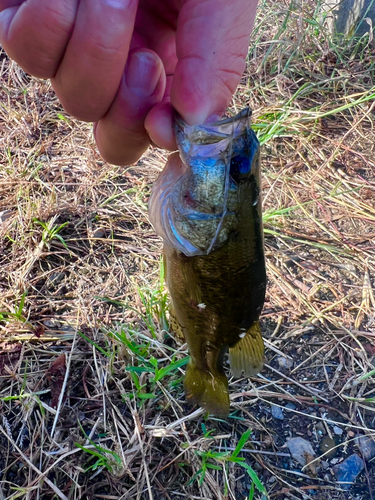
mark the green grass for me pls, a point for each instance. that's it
(312, 103)
(219, 461)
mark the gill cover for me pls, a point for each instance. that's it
(194, 201)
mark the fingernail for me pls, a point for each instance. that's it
(117, 4)
(143, 71)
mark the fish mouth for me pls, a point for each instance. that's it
(194, 202)
(211, 133)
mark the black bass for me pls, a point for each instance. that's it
(206, 206)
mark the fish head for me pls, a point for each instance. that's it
(194, 202)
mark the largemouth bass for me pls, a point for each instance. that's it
(206, 206)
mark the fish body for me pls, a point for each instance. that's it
(206, 205)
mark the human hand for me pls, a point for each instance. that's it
(126, 64)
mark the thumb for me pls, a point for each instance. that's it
(212, 44)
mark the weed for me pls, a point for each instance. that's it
(219, 460)
(104, 458)
(51, 231)
(18, 314)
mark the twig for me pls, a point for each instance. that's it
(62, 393)
(58, 492)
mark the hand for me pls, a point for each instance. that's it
(126, 64)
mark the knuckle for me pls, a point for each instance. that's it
(60, 15)
(83, 111)
(105, 51)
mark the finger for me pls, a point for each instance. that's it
(159, 125)
(159, 33)
(90, 72)
(35, 32)
(159, 122)
(212, 44)
(121, 136)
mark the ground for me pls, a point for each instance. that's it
(91, 394)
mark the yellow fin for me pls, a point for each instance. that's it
(247, 355)
(207, 390)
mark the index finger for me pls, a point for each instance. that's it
(35, 32)
(91, 70)
(212, 44)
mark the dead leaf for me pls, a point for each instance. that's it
(311, 463)
(39, 331)
(9, 357)
(55, 376)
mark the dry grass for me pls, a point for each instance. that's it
(91, 396)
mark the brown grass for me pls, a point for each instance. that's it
(82, 309)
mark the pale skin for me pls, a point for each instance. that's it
(125, 64)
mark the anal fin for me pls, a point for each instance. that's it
(247, 356)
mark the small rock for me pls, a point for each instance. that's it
(337, 430)
(284, 362)
(277, 412)
(301, 450)
(366, 446)
(324, 464)
(257, 467)
(290, 406)
(67, 328)
(347, 472)
(52, 323)
(55, 279)
(320, 427)
(99, 233)
(328, 445)
(4, 215)
(351, 434)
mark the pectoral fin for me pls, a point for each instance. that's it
(247, 355)
(207, 390)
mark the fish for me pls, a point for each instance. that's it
(206, 205)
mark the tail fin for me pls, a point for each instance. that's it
(207, 390)
(247, 355)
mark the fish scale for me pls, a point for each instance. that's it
(213, 252)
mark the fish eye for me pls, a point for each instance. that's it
(239, 164)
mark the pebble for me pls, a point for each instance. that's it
(52, 323)
(67, 328)
(300, 449)
(277, 412)
(290, 406)
(320, 427)
(4, 215)
(347, 472)
(337, 430)
(99, 233)
(285, 362)
(328, 445)
(366, 446)
(55, 279)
